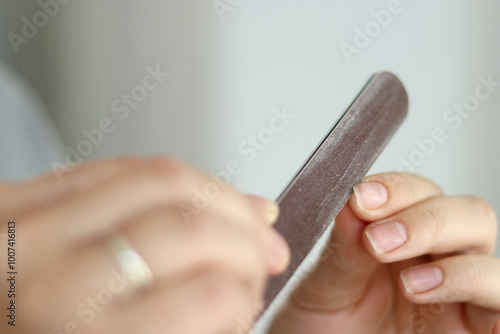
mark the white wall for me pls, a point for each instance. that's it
(227, 76)
(31, 63)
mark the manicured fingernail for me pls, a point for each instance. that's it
(386, 237)
(268, 208)
(421, 279)
(280, 252)
(370, 195)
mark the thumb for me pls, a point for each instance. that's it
(340, 279)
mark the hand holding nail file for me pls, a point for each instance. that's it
(322, 186)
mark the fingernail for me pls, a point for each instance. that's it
(386, 237)
(268, 208)
(280, 252)
(421, 279)
(370, 195)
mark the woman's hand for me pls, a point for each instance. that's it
(209, 254)
(405, 259)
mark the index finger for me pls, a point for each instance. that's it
(340, 281)
(381, 195)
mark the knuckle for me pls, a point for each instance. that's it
(488, 214)
(406, 185)
(485, 209)
(430, 217)
(166, 168)
(395, 179)
(165, 165)
(438, 189)
(401, 182)
(471, 278)
(168, 176)
(396, 182)
(401, 176)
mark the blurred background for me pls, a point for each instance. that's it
(232, 65)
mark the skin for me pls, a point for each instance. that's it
(210, 271)
(213, 266)
(359, 290)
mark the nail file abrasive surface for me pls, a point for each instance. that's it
(324, 183)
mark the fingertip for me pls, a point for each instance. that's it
(386, 236)
(279, 257)
(349, 238)
(381, 195)
(349, 227)
(496, 327)
(421, 279)
(267, 208)
(370, 195)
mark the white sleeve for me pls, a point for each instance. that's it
(29, 142)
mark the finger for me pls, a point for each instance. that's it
(201, 304)
(211, 238)
(50, 179)
(48, 188)
(440, 225)
(280, 252)
(160, 236)
(171, 249)
(382, 195)
(341, 277)
(88, 276)
(268, 209)
(496, 328)
(214, 242)
(460, 279)
(482, 320)
(161, 182)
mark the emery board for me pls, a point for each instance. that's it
(323, 185)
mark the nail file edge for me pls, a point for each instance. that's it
(381, 97)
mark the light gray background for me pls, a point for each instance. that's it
(228, 75)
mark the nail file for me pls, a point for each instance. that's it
(322, 186)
